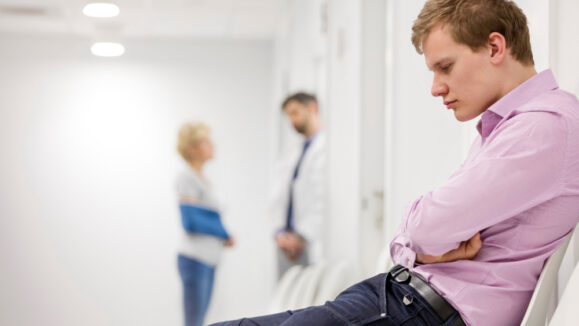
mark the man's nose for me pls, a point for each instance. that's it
(439, 88)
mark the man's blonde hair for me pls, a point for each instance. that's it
(471, 21)
(189, 135)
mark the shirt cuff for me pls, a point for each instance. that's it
(401, 252)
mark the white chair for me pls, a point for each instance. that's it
(312, 284)
(305, 287)
(536, 314)
(566, 313)
(337, 277)
(285, 289)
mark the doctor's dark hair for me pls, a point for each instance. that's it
(470, 22)
(303, 98)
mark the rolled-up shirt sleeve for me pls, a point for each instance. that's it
(517, 168)
(401, 249)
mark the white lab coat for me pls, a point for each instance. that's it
(309, 197)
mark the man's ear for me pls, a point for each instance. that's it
(497, 47)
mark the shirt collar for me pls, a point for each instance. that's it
(487, 123)
(542, 82)
(312, 137)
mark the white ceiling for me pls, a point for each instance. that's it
(224, 19)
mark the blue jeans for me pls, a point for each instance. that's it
(197, 287)
(376, 301)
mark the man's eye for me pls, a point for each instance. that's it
(446, 67)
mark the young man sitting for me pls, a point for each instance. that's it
(471, 251)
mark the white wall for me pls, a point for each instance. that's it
(300, 48)
(565, 43)
(372, 129)
(564, 51)
(424, 142)
(343, 121)
(88, 219)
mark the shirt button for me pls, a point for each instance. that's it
(382, 315)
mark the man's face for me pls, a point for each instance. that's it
(299, 115)
(463, 78)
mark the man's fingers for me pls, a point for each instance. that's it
(466, 250)
(475, 242)
(472, 246)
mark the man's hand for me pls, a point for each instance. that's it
(466, 250)
(291, 243)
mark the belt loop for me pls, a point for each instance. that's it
(403, 278)
(397, 271)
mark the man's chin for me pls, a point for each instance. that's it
(300, 130)
(461, 117)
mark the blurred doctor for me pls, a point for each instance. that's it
(300, 226)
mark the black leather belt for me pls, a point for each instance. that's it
(442, 308)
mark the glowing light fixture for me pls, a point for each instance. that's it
(107, 49)
(101, 10)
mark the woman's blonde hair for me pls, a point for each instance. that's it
(189, 135)
(472, 21)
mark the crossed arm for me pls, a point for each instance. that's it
(466, 250)
(511, 174)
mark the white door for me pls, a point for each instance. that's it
(372, 126)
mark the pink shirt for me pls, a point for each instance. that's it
(519, 187)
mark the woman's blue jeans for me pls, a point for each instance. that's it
(197, 279)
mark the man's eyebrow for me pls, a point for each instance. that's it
(442, 62)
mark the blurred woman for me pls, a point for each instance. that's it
(204, 234)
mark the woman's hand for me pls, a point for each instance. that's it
(229, 242)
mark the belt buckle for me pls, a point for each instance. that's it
(402, 275)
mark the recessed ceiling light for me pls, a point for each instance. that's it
(107, 49)
(101, 10)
